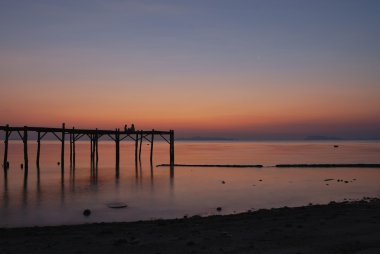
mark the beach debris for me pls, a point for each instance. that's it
(117, 205)
(58, 163)
(336, 146)
(345, 181)
(21, 166)
(219, 209)
(86, 212)
(223, 182)
(261, 180)
(328, 179)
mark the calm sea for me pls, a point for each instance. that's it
(151, 193)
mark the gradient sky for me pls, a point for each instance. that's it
(241, 68)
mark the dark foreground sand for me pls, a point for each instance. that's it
(334, 228)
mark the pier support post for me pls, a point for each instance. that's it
(74, 138)
(136, 147)
(141, 141)
(71, 150)
(91, 150)
(171, 153)
(63, 151)
(25, 141)
(151, 148)
(96, 148)
(117, 141)
(38, 150)
(5, 163)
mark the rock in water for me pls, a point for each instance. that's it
(219, 209)
(87, 212)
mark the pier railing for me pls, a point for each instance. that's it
(94, 135)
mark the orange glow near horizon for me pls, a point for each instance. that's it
(218, 106)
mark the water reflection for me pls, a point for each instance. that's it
(150, 192)
(5, 192)
(40, 190)
(24, 194)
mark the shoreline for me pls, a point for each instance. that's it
(345, 227)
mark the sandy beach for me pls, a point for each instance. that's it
(348, 227)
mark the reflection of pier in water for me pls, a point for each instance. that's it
(94, 135)
(35, 192)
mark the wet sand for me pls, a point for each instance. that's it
(349, 227)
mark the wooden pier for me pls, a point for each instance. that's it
(94, 135)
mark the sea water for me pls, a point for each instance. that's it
(151, 192)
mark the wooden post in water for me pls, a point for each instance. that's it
(96, 147)
(141, 141)
(25, 141)
(151, 148)
(136, 146)
(74, 148)
(117, 141)
(5, 163)
(63, 151)
(171, 153)
(71, 149)
(38, 150)
(91, 150)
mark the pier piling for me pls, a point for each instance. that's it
(74, 139)
(38, 149)
(5, 162)
(141, 141)
(96, 148)
(117, 141)
(25, 141)
(63, 150)
(151, 148)
(136, 147)
(71, 150)
(171, 153)
(76, 134)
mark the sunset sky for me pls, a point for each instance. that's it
(236, 68)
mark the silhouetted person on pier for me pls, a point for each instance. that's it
(132, 127)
